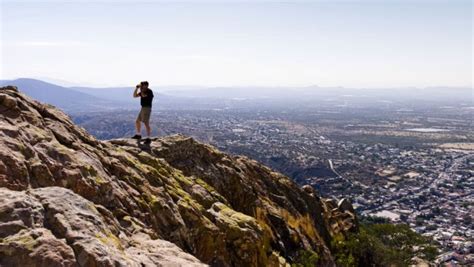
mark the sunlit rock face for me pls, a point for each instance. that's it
(67, 199)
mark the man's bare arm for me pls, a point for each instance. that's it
(135, 93)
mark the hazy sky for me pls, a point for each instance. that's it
(327, 43)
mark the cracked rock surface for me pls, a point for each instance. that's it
(53, 226)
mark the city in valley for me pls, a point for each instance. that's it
(407, 157)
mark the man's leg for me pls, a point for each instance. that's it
(138, 127)
(148, 128)
(146, 121)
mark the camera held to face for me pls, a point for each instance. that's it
(142, 85)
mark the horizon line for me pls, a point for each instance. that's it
(62, 83)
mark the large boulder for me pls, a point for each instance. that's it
(53, 226)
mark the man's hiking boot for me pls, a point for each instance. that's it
(137, 136)
(147, 141)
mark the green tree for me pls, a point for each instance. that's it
(381, 244)
(306, 258)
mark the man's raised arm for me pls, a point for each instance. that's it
(135, 93)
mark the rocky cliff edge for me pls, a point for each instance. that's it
(67, 199)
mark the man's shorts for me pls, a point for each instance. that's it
(144, 115)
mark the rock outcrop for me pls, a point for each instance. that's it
(53, 226)
(67, 199)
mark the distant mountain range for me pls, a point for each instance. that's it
(59, 96)
(80, 99)
(86, 99)
(317, 92)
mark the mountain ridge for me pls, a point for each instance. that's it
(79, 99)
(119, 203)
(63, 97)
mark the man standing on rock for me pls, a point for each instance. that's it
(146, 98)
